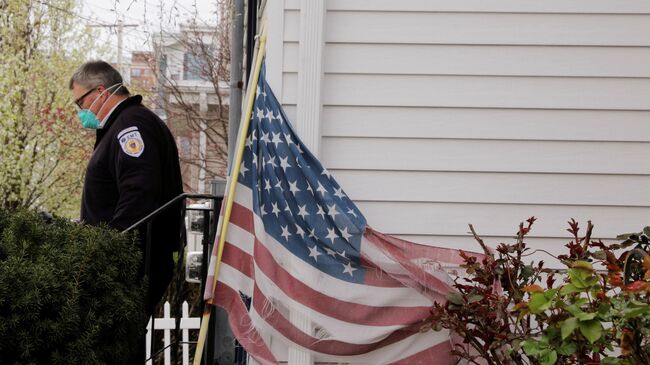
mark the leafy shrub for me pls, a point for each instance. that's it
(508, 310)
(69, 293)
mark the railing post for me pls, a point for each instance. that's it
(148, 341)
(186, 335)
(167, 335)
(147, 273)
(179, 280)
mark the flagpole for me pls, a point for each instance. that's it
(234, 173)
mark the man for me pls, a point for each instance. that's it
(133, 170)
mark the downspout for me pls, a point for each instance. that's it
(236, 80)
(251, 31)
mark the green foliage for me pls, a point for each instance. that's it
(69, 293)
(592, 315)
(44, 149)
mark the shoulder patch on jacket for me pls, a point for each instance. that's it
(131, 141)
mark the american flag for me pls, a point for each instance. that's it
(318, 277)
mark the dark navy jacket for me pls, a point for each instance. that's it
(134, 169)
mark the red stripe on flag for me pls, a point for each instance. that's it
(412, 250)
(238, 259)
(374, 276)
(241, 325)
(439, 354)
(332, 307)
(404, 253)
(330, 347)
(242, 217)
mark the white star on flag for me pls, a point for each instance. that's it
(302, 211)
(260, 114)
(321, 189)
(348, 269)
(299, 231)
(243, 169)
(289, 139)
(321, 212)
(276, 139)
(293, 187)
(265, 138)
(326, 173)
(284, 164)
(313, 252)
(271, 161)
(331, 210)
(344, 233)
(339, 193)
(275, 210)
(285, 232)
(331, 234)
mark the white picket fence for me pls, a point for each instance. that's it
(168, 324)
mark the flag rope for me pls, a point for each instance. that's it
(234, 173)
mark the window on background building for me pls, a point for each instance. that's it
(194, 67)
(163, 64)
(184, 146)
(191, 67)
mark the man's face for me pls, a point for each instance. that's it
(84, 98)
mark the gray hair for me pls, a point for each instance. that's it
(98, 73)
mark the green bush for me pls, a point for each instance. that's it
(69, 293)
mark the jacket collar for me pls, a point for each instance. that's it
(130, 101)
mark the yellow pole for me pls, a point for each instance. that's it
(234, 173)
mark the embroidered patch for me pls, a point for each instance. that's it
(131, 142)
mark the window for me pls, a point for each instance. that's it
(194, 67)
(136, 72)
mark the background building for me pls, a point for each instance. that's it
(188, 89)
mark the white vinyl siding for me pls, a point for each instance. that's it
(440, 113)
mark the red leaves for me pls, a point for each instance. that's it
(573, 227)
(636, 286)
(616, 280)
(524, 230)
(550, 280)
(469, 260)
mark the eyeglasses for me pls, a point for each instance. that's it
(78, 101)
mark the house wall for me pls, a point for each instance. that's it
(437, 113)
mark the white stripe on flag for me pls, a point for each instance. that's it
(384, 355)
(236, 280)
(337, 329)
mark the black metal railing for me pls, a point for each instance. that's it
(209, 232)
